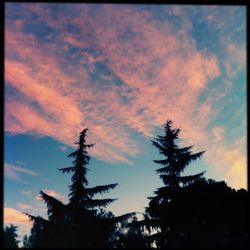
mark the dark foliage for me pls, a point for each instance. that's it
(215, 215)
(190, 211)
(131, 234)
(204, 214)
(9, 235)
(175, 160)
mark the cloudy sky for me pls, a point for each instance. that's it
(121, 71)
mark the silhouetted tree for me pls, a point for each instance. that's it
(176, 159)
(26, 241)
(41, 233)
(210, 214)
(82, 222)
(10, 236)
(131, 234)
(161, 213)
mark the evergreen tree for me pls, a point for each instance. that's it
(177, 159)
(82, 222)
(161, 213)
(10, 236)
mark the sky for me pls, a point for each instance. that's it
(121, 71)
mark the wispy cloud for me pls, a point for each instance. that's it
(15, 172)
(146, 63)
(63, 148)
(116, 70)
(12, 215)
(23, 206)
(26, 192)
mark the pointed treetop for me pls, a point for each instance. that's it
(169, 131)
(83, 134)
(168, 124)
(82, 140)
(176, 158)
(55, 207)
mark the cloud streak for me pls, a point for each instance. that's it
(14, 216)
(15, 172)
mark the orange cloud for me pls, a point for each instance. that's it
(227, 162)
(237, 174)
(17, 218)
(11, 215)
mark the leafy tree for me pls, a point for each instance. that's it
(10, 236)
(161, 213)
(82, 222)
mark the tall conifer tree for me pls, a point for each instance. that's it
(160, 211)
(79, 223)
(176, 158)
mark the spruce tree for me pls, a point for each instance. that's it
(160, 213)
(82, 222)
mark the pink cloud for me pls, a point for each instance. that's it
(218, 134)
(22, 118)
(236, 61)
(72, 41)
(49, 99)
(132, 67)
(162, 71)
(51, 95)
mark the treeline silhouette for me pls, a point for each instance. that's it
(188, 211)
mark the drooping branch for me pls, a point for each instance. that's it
(90, 203)
(67, 170)
(55, 207)
(99, 189)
